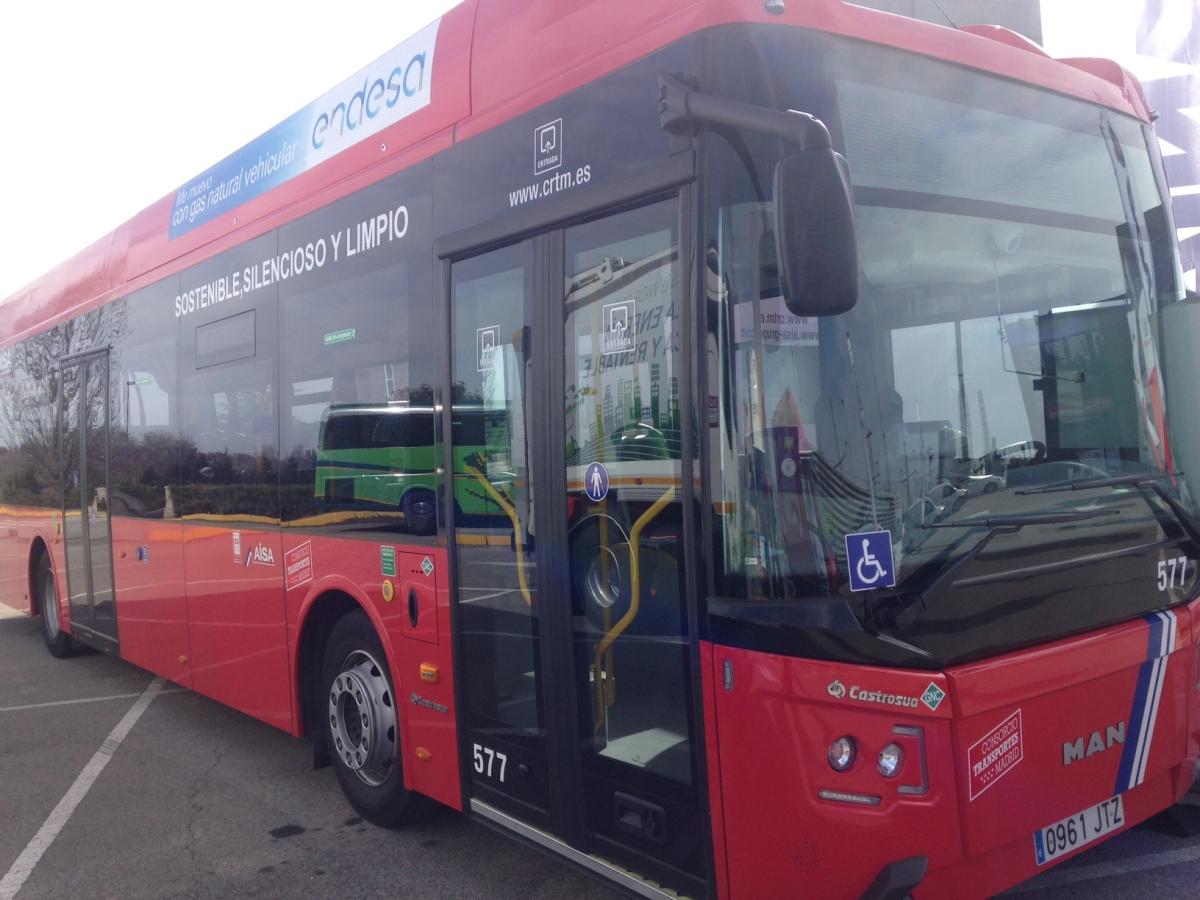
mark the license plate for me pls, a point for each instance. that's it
(1078, 830)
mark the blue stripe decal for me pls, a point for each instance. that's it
(1156, 689)
(1137, 714)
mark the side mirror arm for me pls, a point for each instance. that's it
(680, 107)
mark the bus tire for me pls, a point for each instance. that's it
(420, 511)
(58, 642)
(362, 726)
(600, 571)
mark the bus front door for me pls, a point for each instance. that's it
(576, 654)
(495, 533)
(84, 410)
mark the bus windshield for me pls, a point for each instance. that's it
(997, 402)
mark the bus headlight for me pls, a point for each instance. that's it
(842, 753)
(891, 758)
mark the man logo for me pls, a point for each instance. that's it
(1073, 751)
(837, 690)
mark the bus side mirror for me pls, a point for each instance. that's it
(814, 233)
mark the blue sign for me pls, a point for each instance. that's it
(393, 87)
(869, 556)
(595, 482)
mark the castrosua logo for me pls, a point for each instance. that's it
(838, 691)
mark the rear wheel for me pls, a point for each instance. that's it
(58, 642)
(361, 724)
(420, 511)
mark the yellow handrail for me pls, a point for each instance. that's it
(634, 601)
(518, 541)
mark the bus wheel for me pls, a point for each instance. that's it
(58, 642)
(600, 572)
(362, 728)
(420, 512)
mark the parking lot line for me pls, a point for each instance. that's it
(7, 709)
(24, 865)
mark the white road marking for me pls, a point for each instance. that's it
(49, 703)
(20, 870)
(7, 612)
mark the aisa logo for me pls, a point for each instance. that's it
(260, 555)
(394, 86)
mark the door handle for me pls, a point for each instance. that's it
(413, 610)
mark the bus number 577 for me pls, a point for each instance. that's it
(1172, 572)
(485, 768)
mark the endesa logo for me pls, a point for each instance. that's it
(397, 84)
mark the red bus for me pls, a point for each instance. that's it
(826, 385)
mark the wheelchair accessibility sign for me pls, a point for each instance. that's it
(869, 556)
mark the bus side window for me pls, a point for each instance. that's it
(358, 431)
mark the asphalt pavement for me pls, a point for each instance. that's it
(108, 789)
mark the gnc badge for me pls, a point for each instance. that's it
(869, 556)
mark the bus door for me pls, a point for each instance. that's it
(492, 437)
(84, 403)
(576, 659)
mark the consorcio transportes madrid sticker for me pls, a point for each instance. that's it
(995, 754)
(297, 565)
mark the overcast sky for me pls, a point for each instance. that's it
(107, 107)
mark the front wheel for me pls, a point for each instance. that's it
(58, 642)
(361, 724)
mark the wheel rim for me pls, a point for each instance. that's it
(603, 578)
(362, 718)
(50, 605)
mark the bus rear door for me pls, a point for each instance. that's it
(84, 409)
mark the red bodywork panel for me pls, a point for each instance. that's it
(151, 601)
(236, 621)
(20, 528)
(994, 758)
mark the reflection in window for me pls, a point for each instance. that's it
(359, 430)
(229, 421)
(147, 453)
(622, 416)
(494, 509)
(1013, 263)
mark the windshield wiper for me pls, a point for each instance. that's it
(1019, 520)
(1114, 481)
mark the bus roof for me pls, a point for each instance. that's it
(484, 72)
